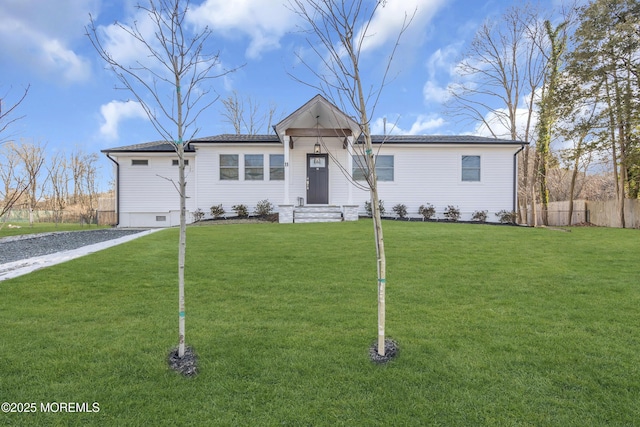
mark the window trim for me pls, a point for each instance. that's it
(358, 174)
(254, 169)
(477, 169)
(273, 169)
(139, 162)
(229, 168)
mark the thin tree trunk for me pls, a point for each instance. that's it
(382, 270)
(572, 188)
(534, 178)
(525, 182)
(182, 245)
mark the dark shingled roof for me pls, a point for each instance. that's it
(163, 146)
(439, 139)
(147, 147)
(227, 137)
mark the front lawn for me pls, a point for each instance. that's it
(496, 326)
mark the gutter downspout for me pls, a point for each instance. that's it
(117, 188)
(515, 179)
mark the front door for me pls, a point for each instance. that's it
(317, 179)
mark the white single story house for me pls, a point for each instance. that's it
(311, 164)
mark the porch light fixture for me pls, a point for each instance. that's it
(316, 146)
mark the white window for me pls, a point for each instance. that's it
(471, 168)
(175, 162)
(139, 162)
(228, 167)
(253, 167)
(276, 167)
(384, 168)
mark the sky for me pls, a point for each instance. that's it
(73, 102)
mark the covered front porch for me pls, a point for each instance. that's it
(318, 159)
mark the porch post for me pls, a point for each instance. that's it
(349, 169)
(286, 172)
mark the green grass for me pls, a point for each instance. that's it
(496, 325)
(43, 227)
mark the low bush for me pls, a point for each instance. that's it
(264, 208)
(507, 217)
(427, 211)
(452, 213)
(480, 216)
(198, 214)
(241, 210)
(367, 207)
(217, 211)
(400, 210)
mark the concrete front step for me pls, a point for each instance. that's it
(309, 220)
(305, 214)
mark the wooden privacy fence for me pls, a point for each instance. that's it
(600, 213)
(106, 212)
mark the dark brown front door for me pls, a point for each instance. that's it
(317, 179)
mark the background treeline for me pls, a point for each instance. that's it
(57, 185)
(567, 81)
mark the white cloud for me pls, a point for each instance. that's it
(423, 124)
(264, 22)
(40, 34)
(497, 124)
(388, 20)
(441, 66)
(124, 48)
(431, 92)
(116, 111)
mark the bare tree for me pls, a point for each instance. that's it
(246, 115)
(338, 32)
(6, 111)
(77, 167)
(58, 177)
(32, 156)
(15, 182)
(89, 188)
(171, 90)
(498, 84)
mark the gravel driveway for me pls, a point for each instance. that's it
(16, 248)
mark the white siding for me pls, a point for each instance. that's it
(213, 191)
(422, 174)
(434, 176)
(147, 192)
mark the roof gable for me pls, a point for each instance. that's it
(318, 112)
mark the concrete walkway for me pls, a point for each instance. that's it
(18, 268)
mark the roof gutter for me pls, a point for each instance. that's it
(515, 178)
(117, 188)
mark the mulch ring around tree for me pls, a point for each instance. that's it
(185, 365)
(391, 350)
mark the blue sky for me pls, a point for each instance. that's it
(72, 101)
